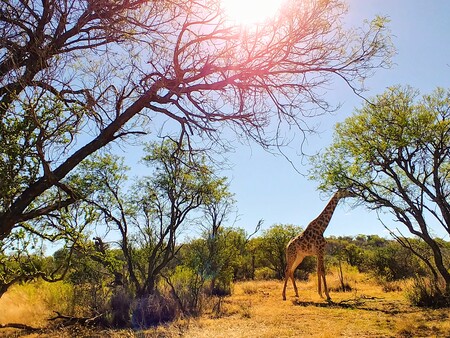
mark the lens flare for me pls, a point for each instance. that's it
(249, 12)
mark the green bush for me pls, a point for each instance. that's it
(188, 286)
(264, 273)
(57, 296)
(393, 262)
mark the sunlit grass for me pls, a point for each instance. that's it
(32, 304)
(256, 309)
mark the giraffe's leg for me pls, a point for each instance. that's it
(293, 282)
(286, 277)
(325, 286)
(289, 275)
(291, 265)
(294, 266)
(321, 268)
(319, 280)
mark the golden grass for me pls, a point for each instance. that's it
(33, 303)
(366, 311)
(256, 309)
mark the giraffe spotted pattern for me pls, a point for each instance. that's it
(312, 243)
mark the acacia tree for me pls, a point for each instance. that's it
(151, 215)
(220, 249)
(76, 75)
(394, 153)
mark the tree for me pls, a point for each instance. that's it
(24, 250)
(150, 217)
(76, 75)
(217, 259)
(273, 246)
(394, 153)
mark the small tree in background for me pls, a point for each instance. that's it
(23, 254)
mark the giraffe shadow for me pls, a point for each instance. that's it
(360, 303)
(345, 304)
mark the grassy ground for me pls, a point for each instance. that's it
(256, 310)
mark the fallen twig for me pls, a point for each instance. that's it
(71, 320)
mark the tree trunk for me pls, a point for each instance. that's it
(438, 260)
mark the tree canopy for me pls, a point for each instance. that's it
(76, 75)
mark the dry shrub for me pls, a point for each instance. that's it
(90, 299)
(343, 278)
(246, 308)
(406, 331)
(391, 286)
(188, 288)
(120, 308)
(153, 310)
(418, 327)
(249, 289)
(341, 287)
(425, 292)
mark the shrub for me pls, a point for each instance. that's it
(249, 289)
(57, 296)
(90, 299)
(264, 273)
(120, 308)
(342, 287)
(33, 303)
(188, 287)
(153, 310)
(393, 262)
(389, 285)
(221, 288)
(427, 293)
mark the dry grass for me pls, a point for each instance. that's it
(256, 310)
(32, 304)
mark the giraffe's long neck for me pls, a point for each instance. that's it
(322, 221)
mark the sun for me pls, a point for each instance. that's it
(249, 12)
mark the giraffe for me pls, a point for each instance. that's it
(311, 242)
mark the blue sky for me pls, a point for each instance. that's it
(267, 187)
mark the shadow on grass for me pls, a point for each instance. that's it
(346, 304)
(359, 303)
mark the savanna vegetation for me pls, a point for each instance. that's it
(372, 280)
(86, 247)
